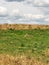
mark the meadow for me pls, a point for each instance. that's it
(30, 43)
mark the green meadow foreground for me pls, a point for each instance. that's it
(32, 46)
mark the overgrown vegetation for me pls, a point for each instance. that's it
(28, 42)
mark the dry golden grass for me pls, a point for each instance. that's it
(22, 26)
(19, 60)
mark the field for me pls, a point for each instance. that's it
(22, 26)
(31, 47)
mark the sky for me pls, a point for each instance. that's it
(24, 11)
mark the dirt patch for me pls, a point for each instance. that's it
(19, 60)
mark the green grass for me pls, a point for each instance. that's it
(30, 42)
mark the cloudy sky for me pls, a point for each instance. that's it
(24, 11)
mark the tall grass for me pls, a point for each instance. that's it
(33, 43)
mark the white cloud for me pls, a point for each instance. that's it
(38, 2)
(42, 3)
(14, 12)
(3, 10)
(47, 19)
(24, 11)
(37, 16)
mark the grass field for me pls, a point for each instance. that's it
(31, 43)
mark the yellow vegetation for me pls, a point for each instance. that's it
(19, 60)
(22, 26)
